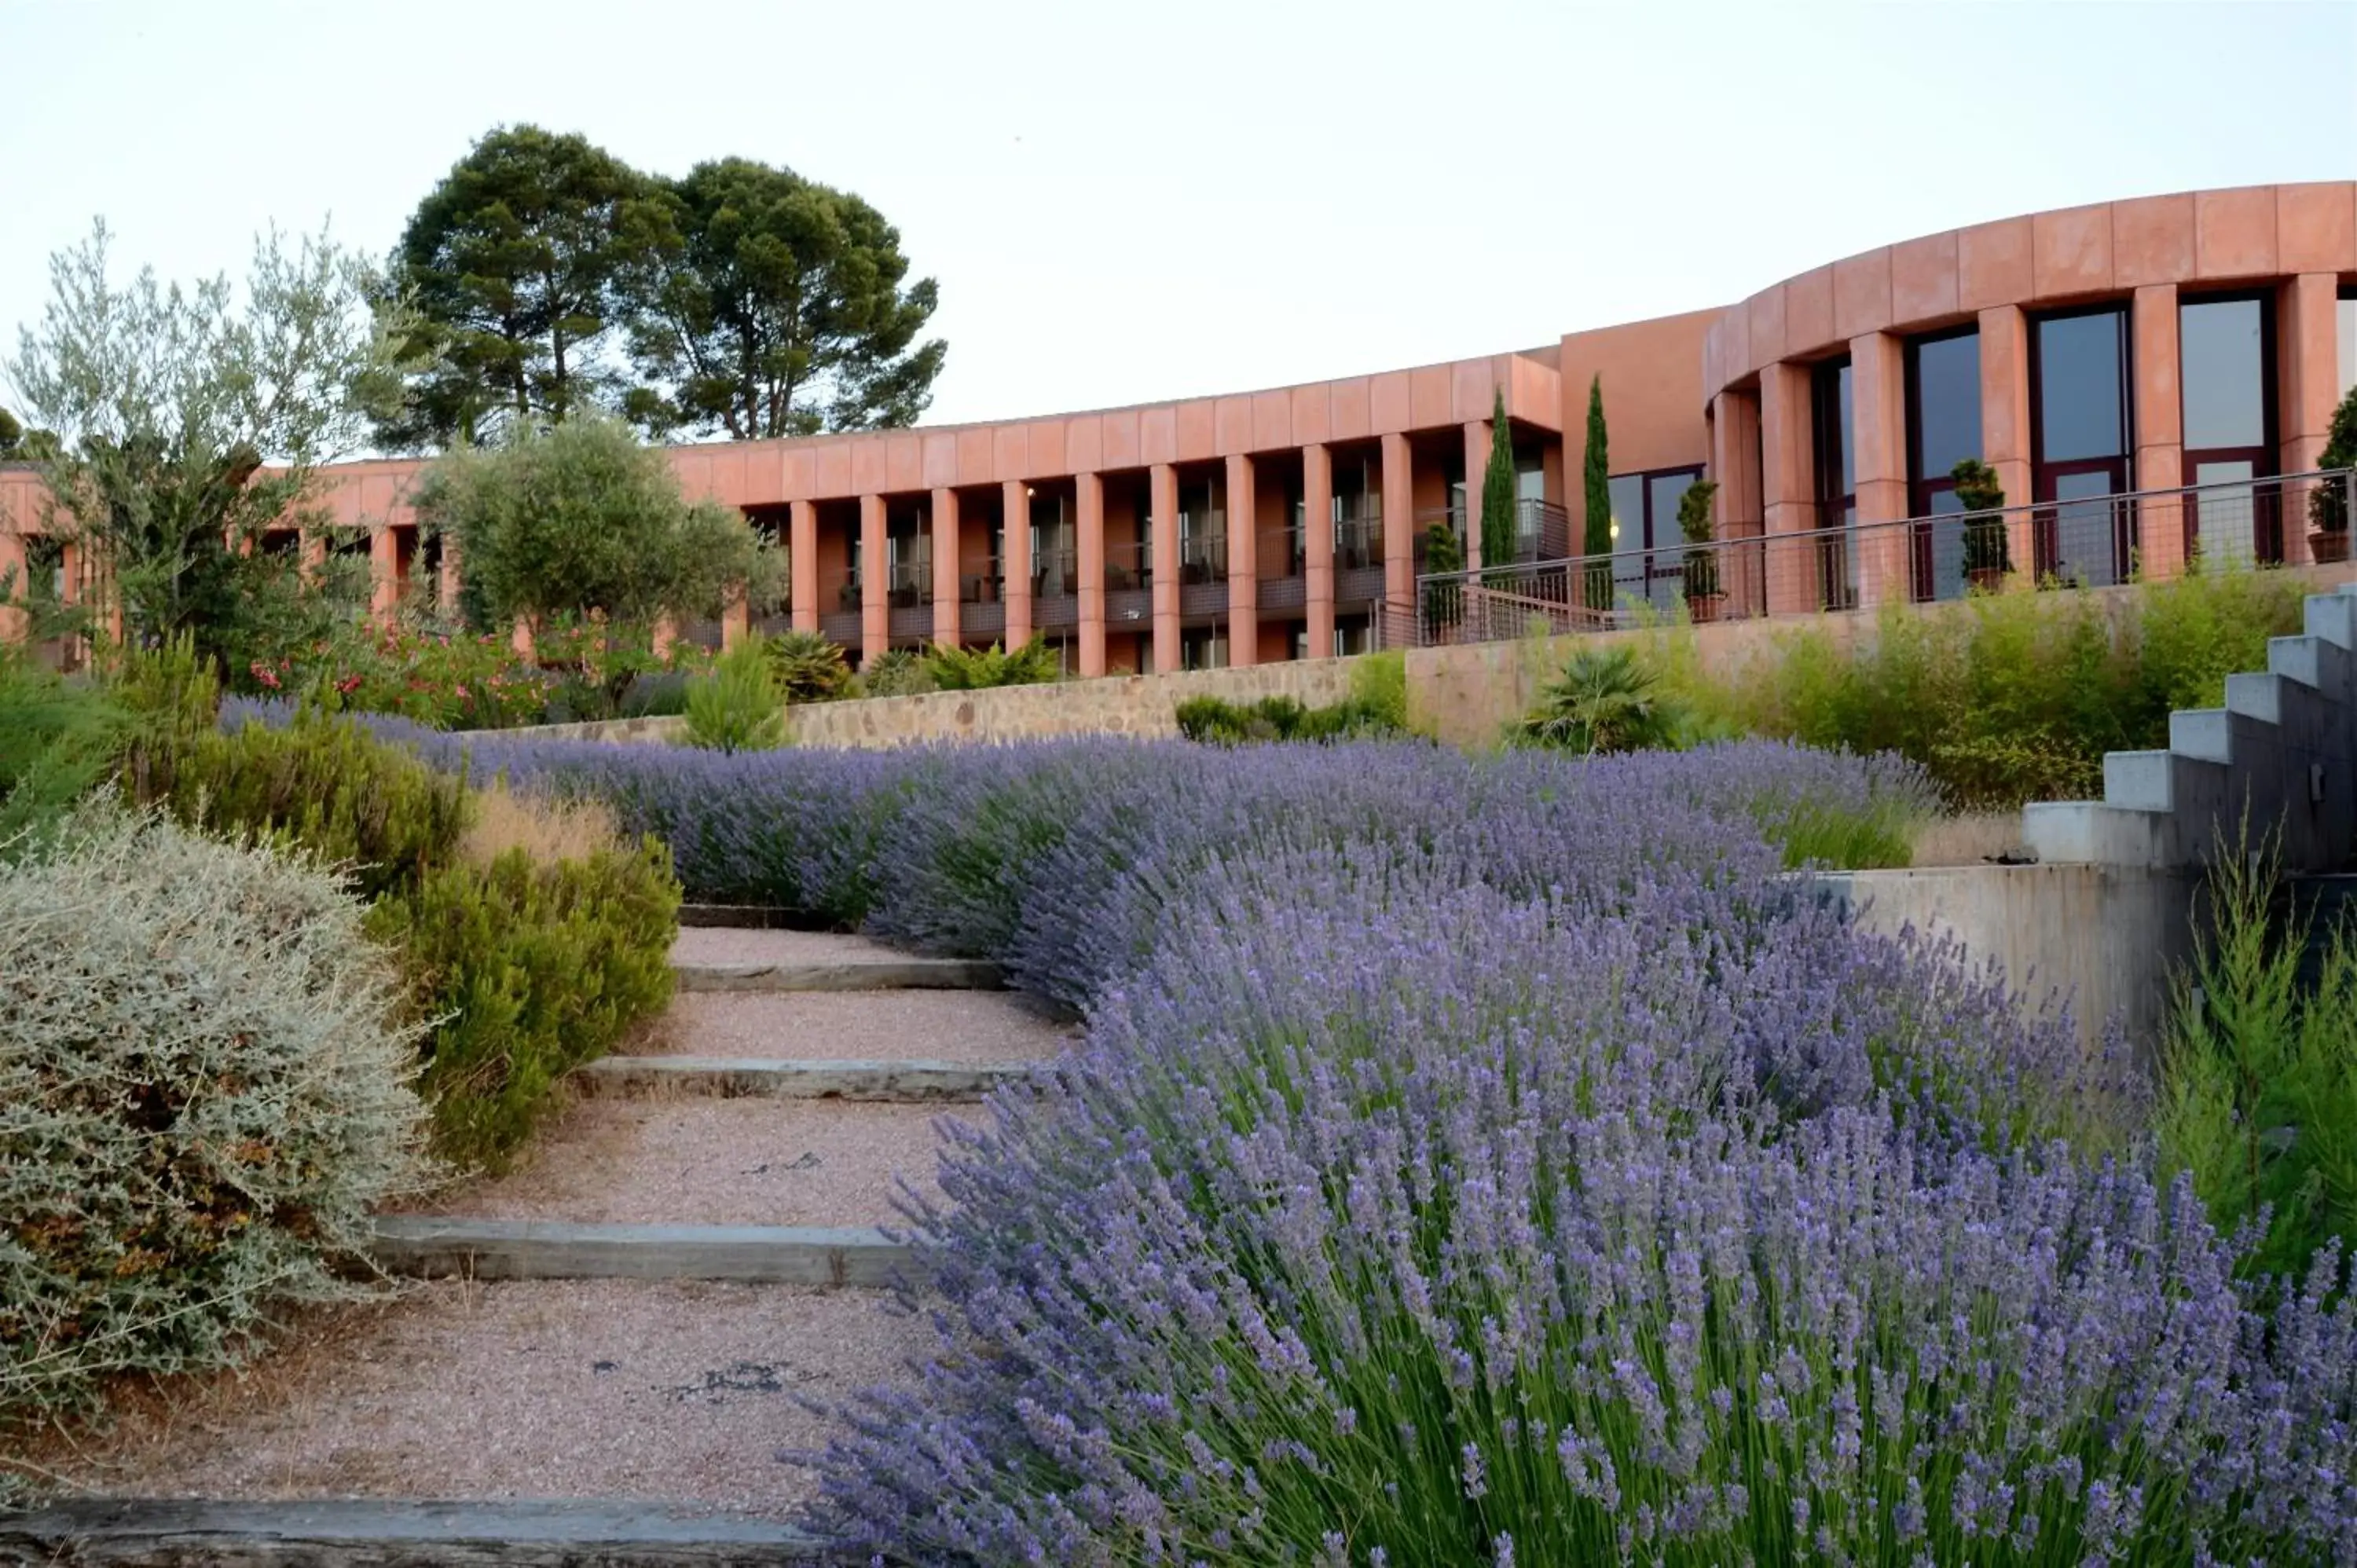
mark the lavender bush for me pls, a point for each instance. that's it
(1492, 1161)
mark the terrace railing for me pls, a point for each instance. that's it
(2094, 542)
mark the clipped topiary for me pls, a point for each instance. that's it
(204, 1090)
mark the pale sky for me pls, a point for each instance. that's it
(1126, 203)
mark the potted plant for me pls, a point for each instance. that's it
(1986, 556)
(2327, 505)
(1704, 595)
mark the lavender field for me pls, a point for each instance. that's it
(1503, 1161)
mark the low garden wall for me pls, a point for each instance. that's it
(2103, 938)
(1115, 705)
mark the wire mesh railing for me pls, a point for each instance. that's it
(2093, 541)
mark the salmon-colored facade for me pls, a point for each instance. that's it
(1284, 522)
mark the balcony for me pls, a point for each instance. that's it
(1203, 563)
(1542, 530)
(1055, 588)
(1359, 556)
(1128, 580)
(839, 615)
(981, 609)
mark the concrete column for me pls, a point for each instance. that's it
(15, 623)
(1787, 490)
(520, 639)
(1015, 553)
(1735, 510)
(665, 635)
(802, 565)
(2159, 432)
(1162, 484)
(875, 579)
(2307, 367)
(385, 571)
(1879, 462)
(446, 590)
(1399, 529)
(1318, 547)
(2005, 421)
(1089, 555)
(945, 567)
(1243, 562)
(1477, 464)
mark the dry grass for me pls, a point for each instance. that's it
(1968, 839)
(548, 830)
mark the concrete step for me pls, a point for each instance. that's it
(910, 1081)
(2219, 734)
(875, 974)
(2165, 781)
(436, 1246)
(2079, 832)
(2316, 662)
(2332, 616)
(170, 1532)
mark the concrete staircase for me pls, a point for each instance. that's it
(2281, 754)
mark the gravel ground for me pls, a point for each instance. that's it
(692, 1160)
(681, 1392)
(711, 944)
(869, 1026)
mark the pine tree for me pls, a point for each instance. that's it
(1498, 491)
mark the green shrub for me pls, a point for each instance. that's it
(1217, 722)
(525, 970)
(896, 672)
(808, 668)
(957, 669)
(2005, 697)
(2258, 1096)
(1379, 685)
(322, 784)
(736, 707)
(204, 1090)
(1606, 700)
(58, 743)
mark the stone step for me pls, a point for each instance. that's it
(2218, 734)
(169, 1532)
(912, 1081)
(438, 1246)
(2316, 662)
(858, 974)
(2332, 616)
(2077, 832)
(2165, 781)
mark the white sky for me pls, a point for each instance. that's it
(1124, 203)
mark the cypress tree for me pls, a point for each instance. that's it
(1596, 471)
(1498, 491)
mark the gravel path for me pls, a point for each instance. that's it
(711, 944)
(873, 1026)
(693, 1160)
(563, 1388)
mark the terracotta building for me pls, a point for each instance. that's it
(2131, 346)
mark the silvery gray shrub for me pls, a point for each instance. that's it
(204, 1090)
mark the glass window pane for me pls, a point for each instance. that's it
(2223, 374)
(1667, 489)
(1948, 404)
(1629, 511)
(2079, 364)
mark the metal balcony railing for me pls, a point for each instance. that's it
(2094, 542)
(1055, 575)
(1542, 529)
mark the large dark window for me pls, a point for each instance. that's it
(2079, 393)
(1944, 428)
(2225, 369)
(1649, 555)
(1832, 426)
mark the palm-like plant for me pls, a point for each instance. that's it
(807, 667)
(1603, 701)
(973, 669)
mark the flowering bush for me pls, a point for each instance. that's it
(1497, 1160)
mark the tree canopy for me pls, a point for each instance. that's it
(545, 276)
(518, 265)
(781, 307)
(582, 519)
(183, 425)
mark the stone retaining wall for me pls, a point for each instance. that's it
(1117, 704)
